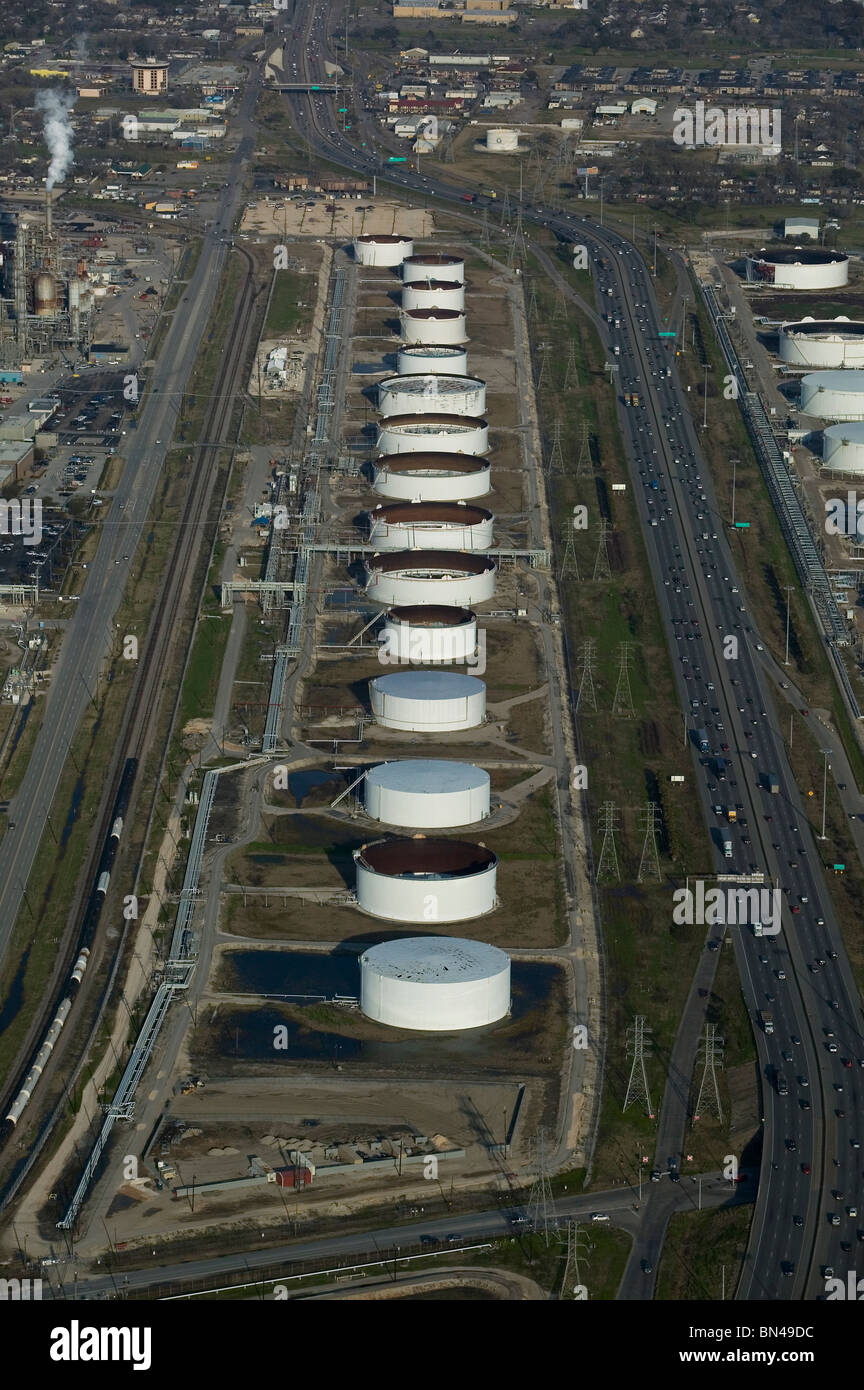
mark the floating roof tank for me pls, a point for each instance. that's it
(448, 578)
(426, 880)
(432, 477)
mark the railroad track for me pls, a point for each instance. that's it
(144, 706)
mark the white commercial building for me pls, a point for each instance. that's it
(435, 984)
(827, 343)
(833, 395)
(428, 702)
(802, 226)
(427, 793)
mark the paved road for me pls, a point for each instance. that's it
(619, 1205)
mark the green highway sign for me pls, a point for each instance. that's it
(666, 333)
(397, 159)
(742, 525)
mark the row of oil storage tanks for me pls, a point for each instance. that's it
(429, 566)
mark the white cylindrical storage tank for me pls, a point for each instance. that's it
(430, 526)
(433, 294)
(432, 477)
(427, 793)
(432, 393)
(833, 395)
(433, 265)
(427, 634)
(425, 879)
(445, 434)
(822, 343)
(448, 578)
(432, 358)
(433, 326)
(428, 702)
(502, 140)
(797, 268)
(843, 449)
(435, 984)
(377, 249)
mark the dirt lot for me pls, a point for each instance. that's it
(350, 218)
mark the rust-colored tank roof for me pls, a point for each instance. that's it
(425, 855)
(407, 560)
(455, 513)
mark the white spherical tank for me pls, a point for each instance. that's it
(432, 357)
(433, 265)
(502, 140)
(427, 793)
(448, 578)
(432, 477)
(425, 879)
(378, 249)
(428, 702)
(432, 393)
(797, 268)
(430, 526)
(433, 294)
(428, 633)
(433, 326)
(833, 395)
(843, 449)
(435, 984)
(822, 343)
(446, 434)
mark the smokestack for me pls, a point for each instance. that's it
(48, 211)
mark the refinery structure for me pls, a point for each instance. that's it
(46, 300)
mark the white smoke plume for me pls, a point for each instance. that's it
(55, 108)
(80, 46)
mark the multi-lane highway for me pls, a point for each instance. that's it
(812, 1086)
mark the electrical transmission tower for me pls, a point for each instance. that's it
(583, 462)
(516, 252)
(571, 371)
(623, 701)
(572, 1282)
(559, 313)
(649, 864)
(711, 1056)
(607, 864)
(556, 453)
(505, 208)
(569, 567)
(485, 240)
(542, 1216)
(637, 1085)
(532, 306)
(543, 350)
(587, 657)
(601, 560)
